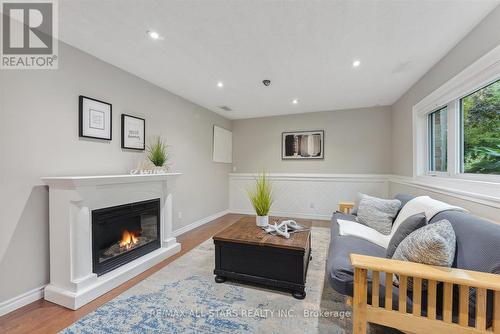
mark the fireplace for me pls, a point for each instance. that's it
(83, 263)
(123, 233)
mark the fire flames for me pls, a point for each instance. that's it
(129, 239)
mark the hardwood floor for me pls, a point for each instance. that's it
(45, 317)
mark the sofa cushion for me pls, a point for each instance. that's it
(378, 213)
(339, 268)
(411, 224)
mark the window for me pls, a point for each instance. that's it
(480, 120)
(456, 132)
(438, 134)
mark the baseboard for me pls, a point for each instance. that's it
(199, 223)
(21, 300)
(285, 214)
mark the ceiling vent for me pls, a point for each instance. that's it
(226, 108)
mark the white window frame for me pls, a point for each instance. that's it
(428, 170)
(480, 74)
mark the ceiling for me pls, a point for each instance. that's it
(306, 48)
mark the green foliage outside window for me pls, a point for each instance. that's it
(481, 130)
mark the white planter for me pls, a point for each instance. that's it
(262, 221)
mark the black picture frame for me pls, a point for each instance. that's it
(298, 158)
(123, 133)
(81, 133)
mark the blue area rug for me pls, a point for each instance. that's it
(183, 298)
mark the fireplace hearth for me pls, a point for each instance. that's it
(123, 233)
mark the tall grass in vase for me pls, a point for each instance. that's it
(261, 198)
(158, 154)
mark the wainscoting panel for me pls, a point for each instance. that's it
(314, 196)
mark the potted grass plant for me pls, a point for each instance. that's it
(261, 198)
(158, 155)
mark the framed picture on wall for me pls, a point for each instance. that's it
(133, 132)
(94, 118)
(301, 145)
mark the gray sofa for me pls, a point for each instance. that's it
(478, 249)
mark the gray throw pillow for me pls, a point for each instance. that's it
(404, 198)
(378, 213)
(432, 244)
(411, 224)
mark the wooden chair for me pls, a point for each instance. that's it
(414, 322)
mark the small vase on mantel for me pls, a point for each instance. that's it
(262, 221)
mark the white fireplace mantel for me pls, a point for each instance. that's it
(72, 200)
(94, 180)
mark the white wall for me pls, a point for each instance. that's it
(39, 137)
(356, 141)
(483, 38)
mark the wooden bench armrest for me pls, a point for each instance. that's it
(441, 274)
(397, 314)
(346, 207)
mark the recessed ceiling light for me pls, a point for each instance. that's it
(220, 84)
(153, 34)
(295, 101)
(356, 63)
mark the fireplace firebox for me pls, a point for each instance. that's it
(123, 233)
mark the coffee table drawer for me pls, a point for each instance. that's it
(262, 261)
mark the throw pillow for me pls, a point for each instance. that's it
(411, 224)
(404, 198)
(378, 213)
(433, 244)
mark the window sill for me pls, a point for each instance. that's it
(493, 178)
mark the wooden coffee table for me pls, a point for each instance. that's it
(244, 252)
